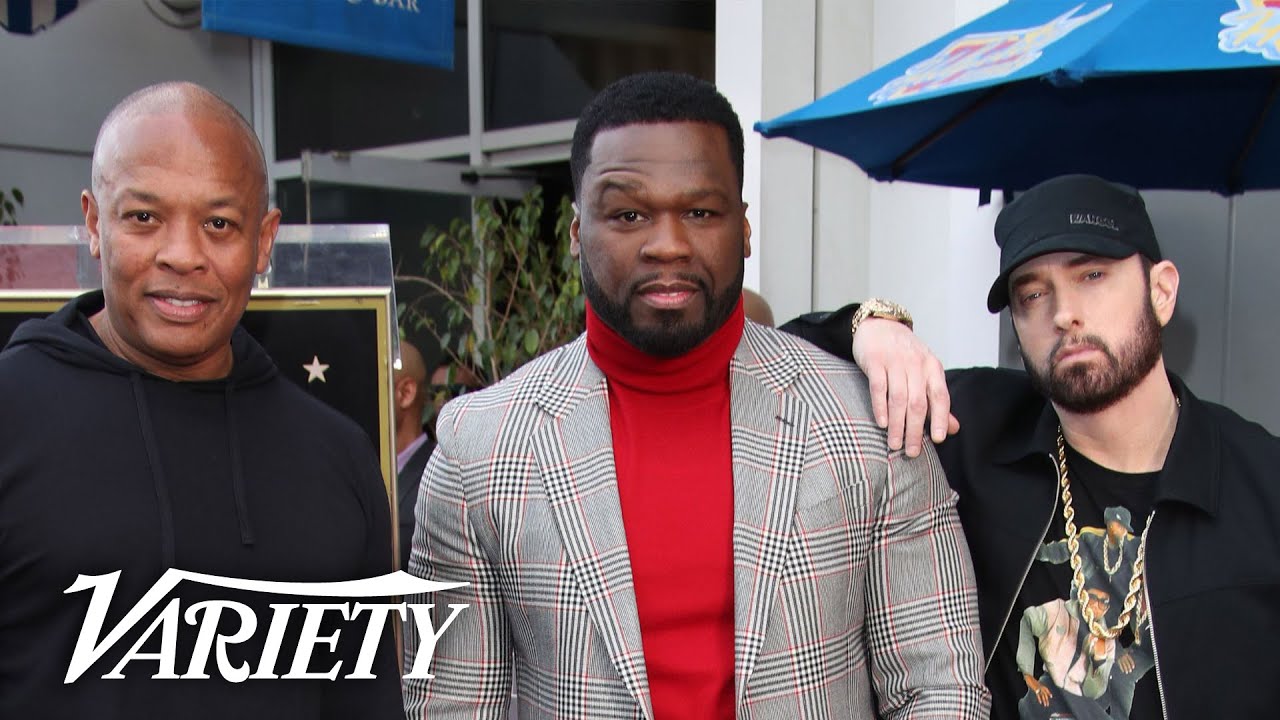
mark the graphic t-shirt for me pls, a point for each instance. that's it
(1074, 673)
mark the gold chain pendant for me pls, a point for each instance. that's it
(1096, 627)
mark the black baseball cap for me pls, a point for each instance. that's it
(1071, 213)
(1118, 514)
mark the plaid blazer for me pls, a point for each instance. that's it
(853, 589)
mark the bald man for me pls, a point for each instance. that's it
(413, 445)
(142, 430)
(756, 308)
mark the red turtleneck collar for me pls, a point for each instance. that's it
(702, 366)
(673, 454)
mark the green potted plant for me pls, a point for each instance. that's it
(507, 293)
(8, 206)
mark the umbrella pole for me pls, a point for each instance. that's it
(1227, 309)
(900, 164)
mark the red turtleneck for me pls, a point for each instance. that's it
(673, 453)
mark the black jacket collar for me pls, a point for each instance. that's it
(1191, 470)
(1190, 473)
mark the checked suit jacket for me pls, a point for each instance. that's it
(853, 590)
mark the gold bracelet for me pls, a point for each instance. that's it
(880, 308)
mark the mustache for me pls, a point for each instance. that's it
(684, 277)
(1082, 341)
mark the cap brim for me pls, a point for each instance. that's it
(998, 296)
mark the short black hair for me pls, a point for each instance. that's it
(653, 97)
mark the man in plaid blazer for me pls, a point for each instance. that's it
(683, 514)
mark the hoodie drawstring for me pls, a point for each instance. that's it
(167, 552)
(237, 471)
(167, 549)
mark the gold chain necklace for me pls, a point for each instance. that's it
(1073, 545)
(1107, 565)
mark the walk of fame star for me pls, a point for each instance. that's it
(315, 369)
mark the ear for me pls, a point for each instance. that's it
(89, 206)
(406, 392)
(746, 233)
(1164, 290)
(575, 226)
(267, 239)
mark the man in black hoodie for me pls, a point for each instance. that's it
(143, 430)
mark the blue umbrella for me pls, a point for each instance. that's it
(1173, 94)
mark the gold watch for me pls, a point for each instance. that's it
(880, 308)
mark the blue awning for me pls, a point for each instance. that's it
(417, 31)
(1174, 94)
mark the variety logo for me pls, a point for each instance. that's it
(980, 57)
(1254, 28)
(91, 645)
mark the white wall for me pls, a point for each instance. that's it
(762, 76)
(826, 235)
(842, 192)
(738, 71)
(58, 85)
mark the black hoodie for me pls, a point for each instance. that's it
(105, 467)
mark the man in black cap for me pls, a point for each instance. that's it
(1098, 434)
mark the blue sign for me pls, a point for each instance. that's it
(417, 31)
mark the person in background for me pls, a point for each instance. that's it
(757, 308)
(413, 443)
(451, 380)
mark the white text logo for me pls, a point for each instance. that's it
(91, 645)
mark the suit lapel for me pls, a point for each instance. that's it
(574, 452)
(769, 439)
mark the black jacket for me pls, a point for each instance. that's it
(105, 468)
(1213, 555)
(407, 482)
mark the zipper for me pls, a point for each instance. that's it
(1013, 602)
(1151, 624)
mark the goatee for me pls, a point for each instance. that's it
(672, 337)
(1087, 388)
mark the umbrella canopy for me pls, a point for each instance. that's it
(1174, 94)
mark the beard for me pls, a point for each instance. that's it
(673, 336)
(1088, 388)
